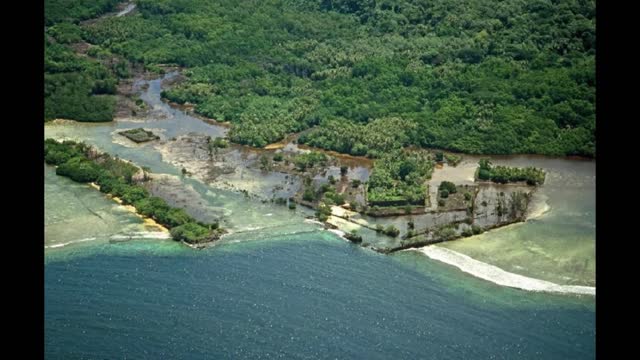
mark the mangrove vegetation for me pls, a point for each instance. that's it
(478, 76)
(82, 163)
(504, 174)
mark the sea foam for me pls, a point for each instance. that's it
(498, 276)
(311, 221)
(68, 243)
(142, 235)
(340, 233)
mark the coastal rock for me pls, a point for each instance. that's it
(140, 176)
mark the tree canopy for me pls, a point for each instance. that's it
(506, 174)
(75, 87)
(398, 178)
(479, 76)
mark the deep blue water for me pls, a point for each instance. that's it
(306, 296)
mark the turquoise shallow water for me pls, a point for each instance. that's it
(280, 287)
(558, 245)
(283, 290)
(306, 296)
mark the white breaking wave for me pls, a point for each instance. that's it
(498, 276)
(68, 243)
(539, 212)
(142, 235)
(131, 235)
(252, 228)
(541, 207)
(311, 221)
(339, 233)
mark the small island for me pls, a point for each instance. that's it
(139, 135)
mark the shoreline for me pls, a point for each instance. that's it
(282, 143)
(146, 221)
(115, 238)
(287, 140)
(499, 276)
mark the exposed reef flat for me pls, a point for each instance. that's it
(279, 175)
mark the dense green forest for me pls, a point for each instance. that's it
(398, 178)
(479, 76)
(75, 87)
(73, 11)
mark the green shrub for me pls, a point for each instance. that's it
(322, 212)
(139, 135)
(265, 164)
(448, 186)
(79, 169)
(174, 217)
(56, 153)
(504, 174)
(453, 159)
(106, 181)
(191, 233)
(309, 160)
(151, 206)
(484, 174)
(218, 143)
(337, 199)
(445, 233)
(309, 194)
(392, 231)
(133, 194)
(54, 157)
